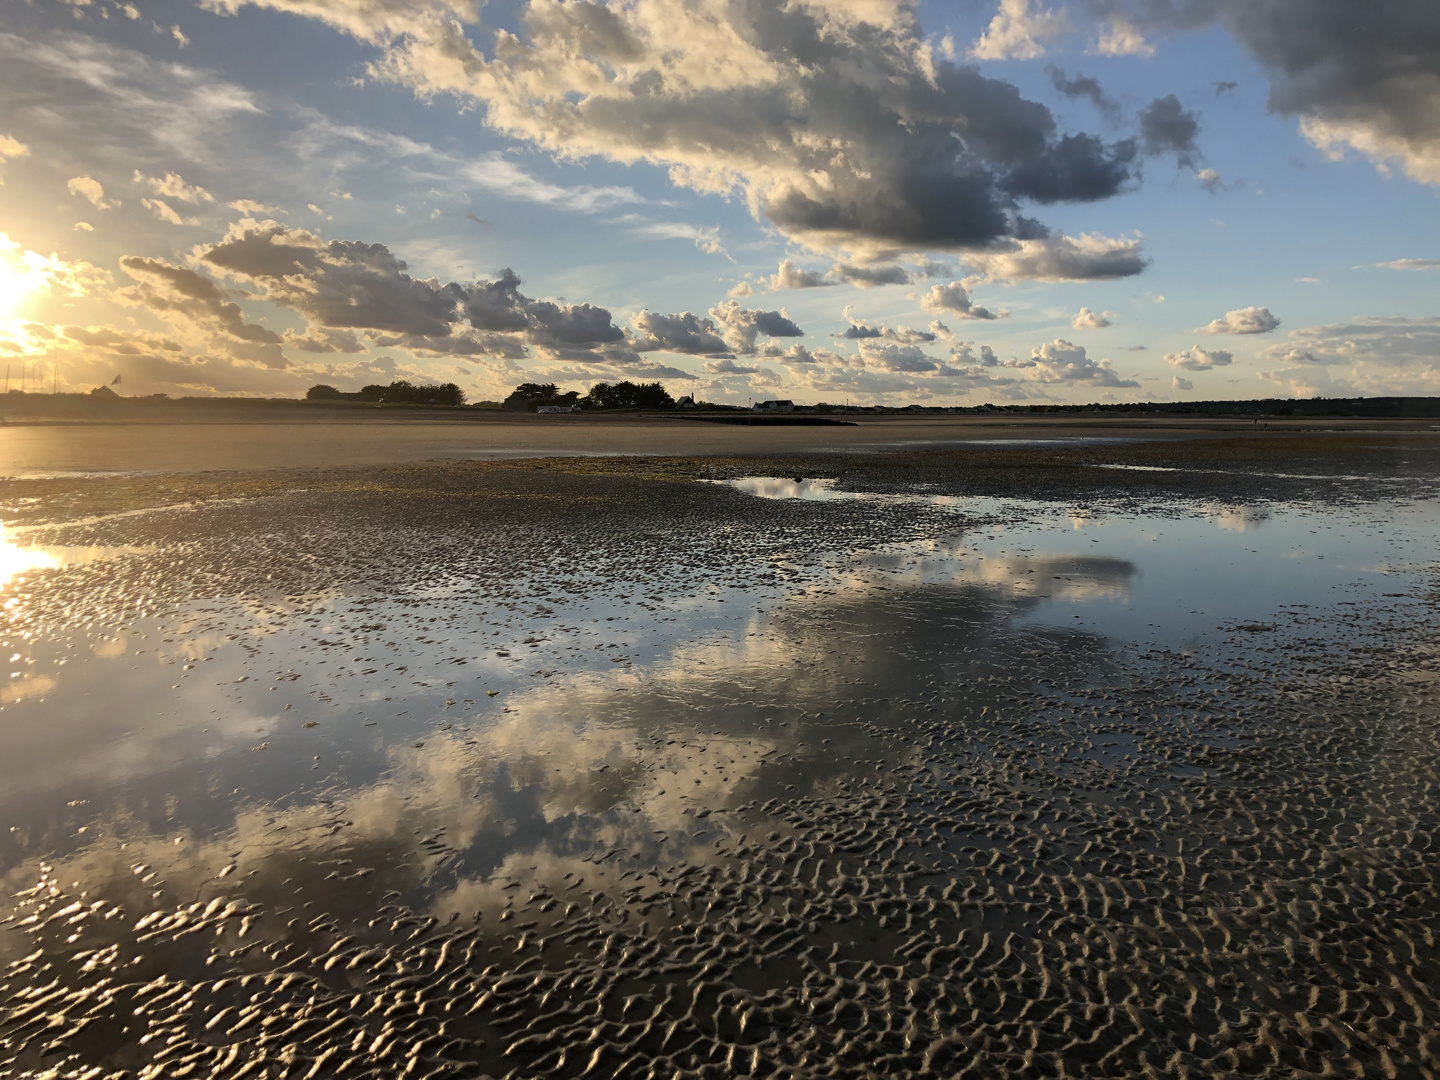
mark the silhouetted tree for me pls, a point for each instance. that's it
(527, 397)
(323, 392)
(629, 395)
(403, 392)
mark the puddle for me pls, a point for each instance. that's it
(484, 782)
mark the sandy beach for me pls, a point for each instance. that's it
(970, 752)
(234, 439)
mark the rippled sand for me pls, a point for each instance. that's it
(924, 766)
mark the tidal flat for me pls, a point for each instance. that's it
(1065, 760)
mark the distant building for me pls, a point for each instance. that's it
(103, 392)
(553, 409)
(774, 406)
(686, 402)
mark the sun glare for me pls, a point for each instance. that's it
(21, 273)
(15, 560)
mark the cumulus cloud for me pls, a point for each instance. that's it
(185, 298)
(1120, 38)
(1178, 383)
(173, 186)
(1057, 257)
(904, 335)
(87, 187)
(1061, 361)
(1167, 128)
(1197, 359)
(790, 276)
(1362, 77)
(1019, 31)
(683, 333)
(955, 299)
(1392, 342)
(1250, 320)
(1085, 319)
(729, 367)
(842, 127)
(1368, 355)
(354, 285)
(741, 326)
(868, 277)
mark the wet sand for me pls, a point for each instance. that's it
(232, 441)
(1089, 760)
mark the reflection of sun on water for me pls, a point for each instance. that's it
(16, 560)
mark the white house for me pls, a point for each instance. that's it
(773, 406)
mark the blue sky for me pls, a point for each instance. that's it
(864, 200)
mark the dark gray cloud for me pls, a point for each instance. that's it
(686, 333)
(189, 300)
(742, 326)
(1084, 86)
(1167, 128)
(839, 123)
(1364, 75)
(867, 277)
(1222, 88)
(1078, 168)
(355, 285)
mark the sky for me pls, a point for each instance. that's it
(867, 201)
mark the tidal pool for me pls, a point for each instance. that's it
(761, 779)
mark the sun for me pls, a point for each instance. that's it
(19, 276)
(13, 287)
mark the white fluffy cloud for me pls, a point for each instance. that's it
(1020, 31)
(1057, 257)
(1085, 319)
(173, 186)
(789, 276)
(953, 298)
(1061, 361)
(1197, 359)
(1383, 342)
(87, 187)
(1250, 320)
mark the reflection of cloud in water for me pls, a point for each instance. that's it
(1236, 518)
(824, 490)
(1073, 578)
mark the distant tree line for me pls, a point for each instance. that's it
(527, 397)
(400, 392)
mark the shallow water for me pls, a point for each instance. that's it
(516, 802)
